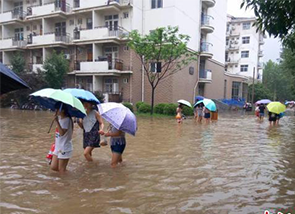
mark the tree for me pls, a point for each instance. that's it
(288, 66)
(56, 68)
(162, 53)
(261, 92)
(18, 63)
(277, 17)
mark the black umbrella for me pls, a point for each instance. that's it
(10, 81)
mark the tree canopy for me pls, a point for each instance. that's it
(18, 63)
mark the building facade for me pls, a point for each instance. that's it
(90, 34)
(244, 48)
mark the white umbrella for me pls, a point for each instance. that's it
(184, 102)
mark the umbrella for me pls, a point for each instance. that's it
(263, 101)
(10, 81)
(82, 94)
(209, 104)
(119, 116)
(276, 107)
(184, 102)
(198, 98)
(49, 97)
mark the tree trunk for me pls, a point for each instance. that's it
(153, 100)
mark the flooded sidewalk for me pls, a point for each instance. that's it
(234, 165)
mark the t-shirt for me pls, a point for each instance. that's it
(261, 109)
(89, 121)
(64, 143)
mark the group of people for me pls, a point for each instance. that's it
(93, 128)
(200, 112)
(273, 118)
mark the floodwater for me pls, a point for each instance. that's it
(236, 165)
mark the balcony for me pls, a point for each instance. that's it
(259, 65)
(104, 66)
(49, 39)
(206, 25)
(98, 33)
(99, 4)
(49, 9)
(11, 43)
(230, 61)
(205, 50)
(208, 3)
(261, 42)
(205, 76)
(12, 16)
(260, 54)
(232, 47)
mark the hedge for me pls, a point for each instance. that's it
(159, 109)
(170, 109)
(187, 111)
(128, 105)
(144, 108)
(138, 104)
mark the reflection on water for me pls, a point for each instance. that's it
(236, 165)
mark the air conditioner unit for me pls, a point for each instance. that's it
(67, 56)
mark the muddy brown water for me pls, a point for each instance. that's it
(236, 165)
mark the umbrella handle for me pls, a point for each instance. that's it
(51, 126)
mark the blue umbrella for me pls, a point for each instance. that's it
(10, 81)
(209, 104)
(198, 98)
(119, 116)
(82, 94)
(263, 101)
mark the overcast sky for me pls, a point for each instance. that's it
(272, 46)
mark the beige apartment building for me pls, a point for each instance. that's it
(91, 35)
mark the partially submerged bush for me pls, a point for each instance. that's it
(159, 109)
(145, 108)
(128, 105)
(170, 109)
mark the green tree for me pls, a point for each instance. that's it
(163, 52)
(288, 66)
(261, 92)
(277, 17)
(18, 63)
(56, 68)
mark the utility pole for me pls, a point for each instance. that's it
(253, 86)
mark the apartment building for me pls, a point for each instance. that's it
(90, 34)
(244, 48)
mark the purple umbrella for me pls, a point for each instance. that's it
(264, 101)
(119, 116)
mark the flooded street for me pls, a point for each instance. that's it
(236, 165)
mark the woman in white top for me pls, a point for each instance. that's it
(63, 140)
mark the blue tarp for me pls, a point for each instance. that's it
(234, 102)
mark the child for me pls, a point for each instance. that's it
(118, 143)
(261, 112)
(63, 140)
(92, 126)
(199, 111)
(179, 113)
(272, 117)
(206, 114)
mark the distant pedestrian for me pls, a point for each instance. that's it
(206, 114)
(198, 112)
(179, 113)
(261, 112)
(273, 118)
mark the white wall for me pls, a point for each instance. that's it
(43, 10)
(94, 66)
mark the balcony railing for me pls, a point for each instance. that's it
(101, 64)
(19, 43)
(63, 38)
(205, 74)
(205, 20)
(205, 46)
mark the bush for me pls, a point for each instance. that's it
(159, 109)
(187, 111)
(128, 105)
(138, 104)
(170, 109)
(99, 95)
(145, 108)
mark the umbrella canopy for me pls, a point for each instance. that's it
(290, 102)
(263, 101)
(49, 97)
(276, 107)
(184, 102)
(82, 94)
(209, 104)
(10, 81)
(119, 116)
(198, 98)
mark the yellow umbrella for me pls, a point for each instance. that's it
(276, 107)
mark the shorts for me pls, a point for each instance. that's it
(118, 148)
(200, 114)
(261, 114)
(63, 155)
(272, 119)
(207, 115)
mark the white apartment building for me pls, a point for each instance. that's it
(244, 48)
(90, 33)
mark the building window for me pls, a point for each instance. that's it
(111, 86)
(126, 15)
(227, 27)
(246, 40)
(72, 22)
(244, 68)
(156, 67)
(227, 40)
(236, 90)
(80, 21)
(28, 28)
(157, 4)
(89, 23)
(125, 80)
(244, 54)
(246, 25)
(225, 89)
(126, 48)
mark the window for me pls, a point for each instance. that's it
(156, 67)
(126, 15)
(236, 90)
(246, 40)
(236, 66)
(111, 86)
(72, 22)
(224, 89)
(227, 27)
(244, 54)
(126, 48)
(157, 4)
(28, 28)
(125, 80)
(89, 23)
(80, 21)
(227, 40)
(244, 68)
(18, 34)
(246, 26)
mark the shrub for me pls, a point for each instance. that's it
(187, 111)
(138, 104)
(128, 105)
(159, 109)
(170, 109)
(99, 95)
(145, 108)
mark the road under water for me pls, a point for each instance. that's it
(235, 165)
